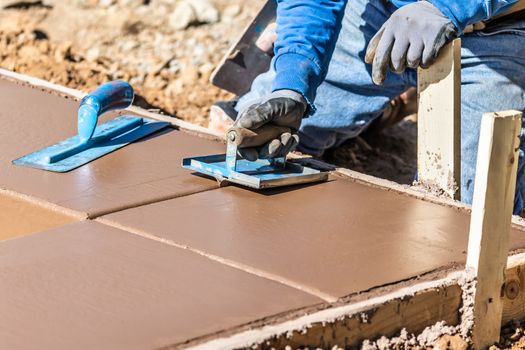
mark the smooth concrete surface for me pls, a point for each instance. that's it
(145, 171)
(89, 286)
(338, 237)
(19, 217)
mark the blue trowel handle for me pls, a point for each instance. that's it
(116, 94)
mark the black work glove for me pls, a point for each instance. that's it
(281, 108)
(411, 37)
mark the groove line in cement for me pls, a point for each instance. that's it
(45, 204)
(233, 264)
(96, 214)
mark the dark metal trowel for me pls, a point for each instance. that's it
(262, 173)
(94, 141)
(246, 59)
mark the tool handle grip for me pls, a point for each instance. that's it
(116, 94)
(253, 138)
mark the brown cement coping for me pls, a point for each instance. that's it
(90, 286)
(332, 240)
(144, 172)
(19, 217)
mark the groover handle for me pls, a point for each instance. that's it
(253, 138)
(110, 96)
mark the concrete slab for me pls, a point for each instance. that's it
(143, 172)
(89, 286)
(19, 217)
(335, 238)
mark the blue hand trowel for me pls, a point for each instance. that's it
(93, 142)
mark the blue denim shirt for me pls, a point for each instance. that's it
(307, 32)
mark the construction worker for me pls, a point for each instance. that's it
(339, 63)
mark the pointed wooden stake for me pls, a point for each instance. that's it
(490, 224)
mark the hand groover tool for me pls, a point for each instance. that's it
(93, 142)
(262, 173)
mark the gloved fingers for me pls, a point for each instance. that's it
(254, 116)
(398, 55)
(279, 147)
(414, 54)
(431, 52)
(432, 49)
(280, 111)
(287, 112)
(290, 142)
(372, 46)
(250, 154)
(270, 149)
(382, 58)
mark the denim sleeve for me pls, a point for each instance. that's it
(465, 12)
(307, 31)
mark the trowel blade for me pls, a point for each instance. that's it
(99, 146)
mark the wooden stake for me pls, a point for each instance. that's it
(490, 224)
(439, 120)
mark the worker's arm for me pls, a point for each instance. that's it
(306, 35)
(465, 12)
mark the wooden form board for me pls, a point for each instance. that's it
(439, 120)
(490, 225)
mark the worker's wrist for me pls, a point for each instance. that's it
(460, 19)
(298, 73)
(291, 94)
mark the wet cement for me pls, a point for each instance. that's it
(19, 217)
(146, 171)
(337, 238)
(89, 286)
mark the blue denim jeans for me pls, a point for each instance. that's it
(493, 79)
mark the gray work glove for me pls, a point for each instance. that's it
(411, 37)
(281, 108)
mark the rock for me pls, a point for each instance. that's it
(189, 75)
(29, 52)
(206, 11)
(106, 3)
(130, 3)
(451, 342)
(231, 12)
(183, 15)
(92, 54)
(205, 71)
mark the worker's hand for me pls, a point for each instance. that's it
(281, 108)
(411, 37)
